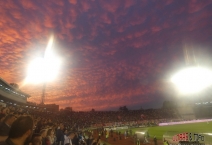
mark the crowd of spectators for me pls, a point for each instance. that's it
(22, 126)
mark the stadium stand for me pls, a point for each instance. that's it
(56, 127)
(9, 93)
(186, 112)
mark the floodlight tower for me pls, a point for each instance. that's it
(44, 85)
(47, 53)
(43, 94)
(191, 81)
(44, 69)
(43, 88)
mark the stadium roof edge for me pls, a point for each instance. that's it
(27, 95)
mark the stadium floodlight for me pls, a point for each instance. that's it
(42, 70)
(192, 79)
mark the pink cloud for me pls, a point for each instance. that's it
(195, 6)
(114, 52)
(110, 5)
(73, 1)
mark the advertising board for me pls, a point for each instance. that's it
(187, 138)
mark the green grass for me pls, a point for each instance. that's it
(158, 131)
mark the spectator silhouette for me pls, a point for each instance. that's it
(20, 132)
(6, 125)
(43, 134)
(60, 135)
(36, 139)
(155, 140)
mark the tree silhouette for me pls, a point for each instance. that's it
(14, 85)
(123, 108)
(92, 110)
(68, 108)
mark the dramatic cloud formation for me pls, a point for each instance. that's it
(115, 52)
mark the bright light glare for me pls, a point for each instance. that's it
(192, 80)
(44, 69)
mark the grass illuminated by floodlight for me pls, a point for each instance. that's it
(159, 131)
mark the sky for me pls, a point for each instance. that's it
(114, 52)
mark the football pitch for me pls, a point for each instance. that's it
(158, 131)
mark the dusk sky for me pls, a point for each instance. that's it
(114, 52)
